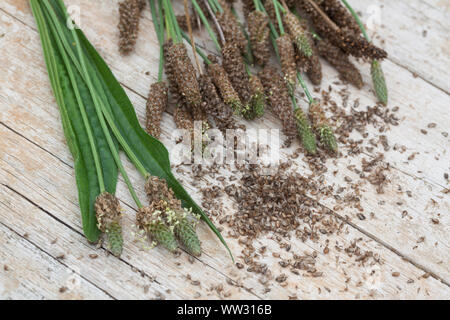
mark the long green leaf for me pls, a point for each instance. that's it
(64, 79)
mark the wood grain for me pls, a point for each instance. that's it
(37, 176)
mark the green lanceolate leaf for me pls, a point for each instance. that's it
(68, 88)
(150, 152)
(379, 82)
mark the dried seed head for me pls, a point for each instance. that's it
(315, 70)
(156, 104)
(183, 120)
(170, 69)
(305, 132)
(129, 15)
(317, 115)
(157, 190)
(233, 63)
(338, 59)
(345, 38)
(340, 15)
(163, 202)
(151, 219)
(316, 18)
(141, 4)
(108, 213)
(258, 28)
(226, 89)
(231, 28)
(248, 6)
(322, 127)
(358, 46)
(277, 94)
(214, 105)
(287, 57)
(270, 9)
(185, 77)
(298, 33)
(182, 22)
(379, 82)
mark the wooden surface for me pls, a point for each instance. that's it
(43, 254)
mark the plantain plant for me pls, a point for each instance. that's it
(98, 119)
(378, 79)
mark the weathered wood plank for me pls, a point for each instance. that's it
(17, 99)
(51, 184)
(417, 39)
(408, 131)
(362, 284)
(27, 272)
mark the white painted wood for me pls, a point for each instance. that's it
(27, 106)
(27, 272)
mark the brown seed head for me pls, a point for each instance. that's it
(233, 63)
(344, 37)
(340, 15)
(258, 27)
(222, 82)
(231, 28)
(185, 76)
(156, 105)
(214, 105)
(298, 33)
(338, 59)
(278, 96)
(129, 15)
(287, 57)
(157, 190)
(108, 211)
(317, 115)
(152, 214)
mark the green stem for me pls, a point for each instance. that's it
(277, 13)
(174, 21)
(247, 69)
(305, 88)
(199, 51)
(271, 26)
(218, 6)
(358, 21)
(206, 24)
(280, 6)
(256, 3)
(160, 34)
(213, 6)
(169, 26)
